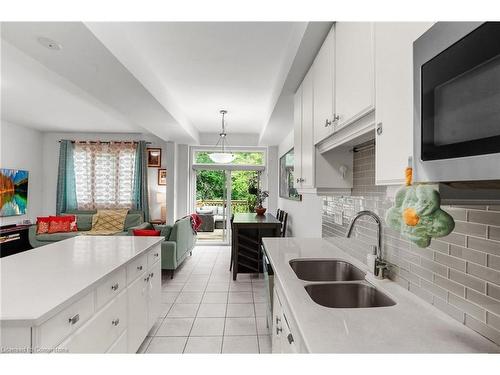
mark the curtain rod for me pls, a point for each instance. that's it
(97, 142)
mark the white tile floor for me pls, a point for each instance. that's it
(205, 311)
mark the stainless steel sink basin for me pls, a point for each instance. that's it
(348, 296)
(325, 270)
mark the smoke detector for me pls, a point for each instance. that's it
(49, 43)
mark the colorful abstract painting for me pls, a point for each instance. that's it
(13, 192)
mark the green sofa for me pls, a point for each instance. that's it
(179, 243)
(134, 220)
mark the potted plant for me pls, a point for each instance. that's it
(261, 197)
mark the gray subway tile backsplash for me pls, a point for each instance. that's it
(468, 254)
(493, 320)
(468, 307)
(468, 280)
(484, 217)
(494, 233)
(486, 330)
(459, 274)
(488, 246)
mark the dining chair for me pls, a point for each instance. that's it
(283, 224)
(232, 244)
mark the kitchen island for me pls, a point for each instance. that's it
(85, 294)
(409, 326)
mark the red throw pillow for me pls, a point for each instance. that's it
(59, 224)
(72, 223)
(42, 224)
(146, 232)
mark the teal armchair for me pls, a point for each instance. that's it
(179, 243)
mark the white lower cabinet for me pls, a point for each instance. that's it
(120, 345)
(284, 337)
(154, 305)
(277, 326)
(137, 307)
(101, 331)
(114, 317)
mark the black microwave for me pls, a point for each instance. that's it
(457, 102)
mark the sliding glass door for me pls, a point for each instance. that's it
(222, 190)
(212, 204)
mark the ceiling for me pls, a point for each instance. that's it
(167, 78)
(36, 97)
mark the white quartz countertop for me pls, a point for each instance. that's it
(410, 326)
(39, 282)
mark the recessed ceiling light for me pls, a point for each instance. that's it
(49, 43)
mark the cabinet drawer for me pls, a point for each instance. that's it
(100, 332)
(154, 255)
(110, 287)
(120, 345)
(136, 268)
(54, 330)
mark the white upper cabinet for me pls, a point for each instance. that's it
(394, 97)
(354, 71)
(297, 136)
(308, 149)
(323, 73)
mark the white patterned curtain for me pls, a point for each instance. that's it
(104, 174)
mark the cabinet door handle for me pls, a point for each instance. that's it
(115, 322)
(278, 330)
(290, 338)
(114, 287)
(336, 117)
(74, 319)
(301, 180)
(156, 254)
(146, 279)
(278, 320)
(151, 275)
(327, 123)
(139, 268)
(380, 129)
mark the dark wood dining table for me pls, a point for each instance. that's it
(248, 230)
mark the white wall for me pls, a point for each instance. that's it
(304, 217)
(21, 148)
(51, 160)
(182, 176)
(272, 172)
(171, 173)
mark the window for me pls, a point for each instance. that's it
(242, 158)
(286, 177)
(104, 174)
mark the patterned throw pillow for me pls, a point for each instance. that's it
(59, 224)
(72, 223)
(109, 220)
(42, 224)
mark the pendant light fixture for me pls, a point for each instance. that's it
(222, 157)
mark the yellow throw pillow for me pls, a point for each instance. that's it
(109, 220)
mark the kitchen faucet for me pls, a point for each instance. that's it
(380, 265)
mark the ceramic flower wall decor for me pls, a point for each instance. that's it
(417, 215)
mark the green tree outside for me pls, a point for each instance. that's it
(210, 184)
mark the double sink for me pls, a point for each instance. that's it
(338, 284)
